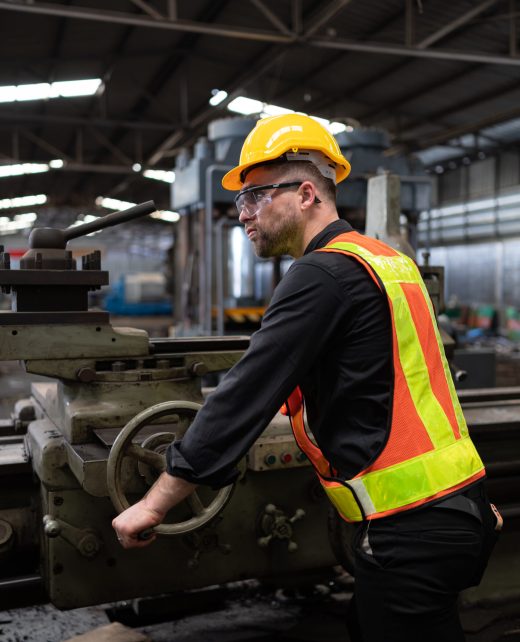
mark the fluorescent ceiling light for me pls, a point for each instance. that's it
(116, 204)
(22, 201)
(160, 175)
(246, 106)
(249, 106)
(275, 110)
(45, 90)
(166, 215)
(73, 88)
(218, 95)
(23, 168)
(113, 203)
(57, 163)
(321, 121)
(337, 128)
(20, 222)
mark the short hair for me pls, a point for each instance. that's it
(302, 169)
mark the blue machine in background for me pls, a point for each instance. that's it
(140, 294)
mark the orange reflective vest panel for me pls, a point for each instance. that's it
(428, 453)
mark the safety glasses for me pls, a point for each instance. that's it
(251, 197)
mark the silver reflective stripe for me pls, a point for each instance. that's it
(362, 496)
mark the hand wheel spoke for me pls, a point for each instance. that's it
(150, 457)
(195, 504)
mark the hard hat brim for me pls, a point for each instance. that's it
(233, 179)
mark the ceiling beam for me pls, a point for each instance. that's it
(398, 50)
(453, 132)
(461, 106)
(147, 8)
(376, 113)
(264, 63)
(119, 17)
(324, 15)
(48, 119)
(43, 144)
(104, 142)
(272, 17)
(455, 24)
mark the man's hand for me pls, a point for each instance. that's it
(134, 522)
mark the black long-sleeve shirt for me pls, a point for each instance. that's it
(327, 329)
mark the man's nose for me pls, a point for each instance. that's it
(245, 216)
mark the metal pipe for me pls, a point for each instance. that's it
(205, 272)
(219, 259)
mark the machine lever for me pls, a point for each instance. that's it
(47, 237)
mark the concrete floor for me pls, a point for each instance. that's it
(251, 614)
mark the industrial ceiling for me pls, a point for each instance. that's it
(442, 77)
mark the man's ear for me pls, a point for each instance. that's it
(308, 194)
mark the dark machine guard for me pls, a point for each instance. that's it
(115, 390)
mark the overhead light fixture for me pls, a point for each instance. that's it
(22, 201)
(116, 204)
(245, 106)
(45, 90)
(166, 215)
(57, 163)
(249, 106)
(160, 175)
(217, 96)
(19, 222)
(275, 110)
(23, 168)
(137, 167)
(113, 203)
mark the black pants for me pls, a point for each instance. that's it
(410, 568)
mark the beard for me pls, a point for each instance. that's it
(279, 239)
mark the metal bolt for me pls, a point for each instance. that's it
(6, 533)
(51, 527)
(198, 369)
(86, 375)
(118, 366)
(89, 546)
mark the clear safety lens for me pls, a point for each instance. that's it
(251, 198)
(251, 201)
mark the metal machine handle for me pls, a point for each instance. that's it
(109, 220)
(50, 238)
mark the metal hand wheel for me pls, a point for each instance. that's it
(150, 457)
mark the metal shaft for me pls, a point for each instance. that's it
(109, 220)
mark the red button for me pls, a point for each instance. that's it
(286, 458)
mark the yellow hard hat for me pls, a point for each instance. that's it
(275, 136)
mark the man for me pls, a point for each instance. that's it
(351, 326)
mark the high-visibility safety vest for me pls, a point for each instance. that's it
(428, 453)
